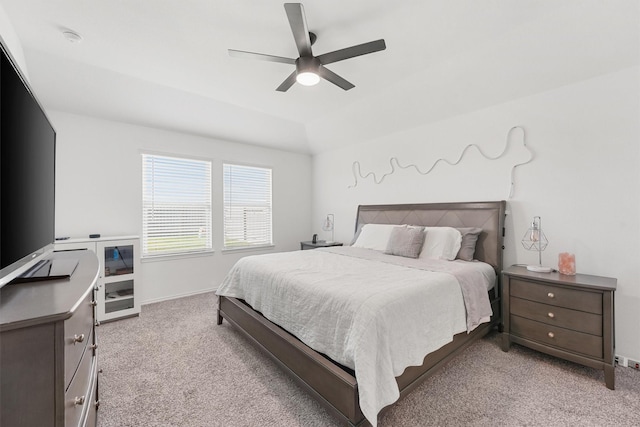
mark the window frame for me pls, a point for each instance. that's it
(247, 247)
(209, 246)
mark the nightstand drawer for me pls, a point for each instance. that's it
(566, 339)
(559, 296)
(580, 321)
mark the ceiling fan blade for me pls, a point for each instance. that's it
(353, 51)
(329, 75)
(260, 56)
(298, 23)
(287, 83)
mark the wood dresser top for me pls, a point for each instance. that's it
(582, 280)
(33, 303)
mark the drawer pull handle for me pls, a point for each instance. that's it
(551, 315)
(78, 401)
(78, 338)
(93, 346)
(551, 295)
(551, 335)
(93, 303)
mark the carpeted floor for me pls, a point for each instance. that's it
(173, 366)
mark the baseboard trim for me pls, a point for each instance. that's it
(188, 294)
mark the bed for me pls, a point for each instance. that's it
(332, 380)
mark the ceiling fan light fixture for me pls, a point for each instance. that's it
(308, 78)
(307, 70)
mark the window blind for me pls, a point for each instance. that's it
(176, 205)
(247, 206)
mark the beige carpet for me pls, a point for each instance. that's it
(173, 366)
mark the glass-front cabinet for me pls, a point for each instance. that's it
(117, 293)
(119, 283)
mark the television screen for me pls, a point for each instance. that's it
(27, 172)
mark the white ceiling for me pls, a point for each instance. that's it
(164, 63)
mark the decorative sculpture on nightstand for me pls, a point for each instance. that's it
(567, 263)
(535, 240)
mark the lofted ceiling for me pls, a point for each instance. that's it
(164, 63)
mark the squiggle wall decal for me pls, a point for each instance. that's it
(394, 162)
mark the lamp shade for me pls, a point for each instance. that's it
(534, 239)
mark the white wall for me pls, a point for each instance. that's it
(584, 181)
(99, 188)
(11, 41)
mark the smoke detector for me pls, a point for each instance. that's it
(72, 36)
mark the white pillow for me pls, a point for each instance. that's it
(441, 243)
(374, 236)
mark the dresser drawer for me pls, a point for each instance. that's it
(580, 321)
(573, 341)
(91, 419)
(77, 330)
(78, 396)
(556, 295)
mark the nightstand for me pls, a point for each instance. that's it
(319, 244)
(571, 317)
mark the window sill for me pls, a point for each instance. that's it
(169, 257)
(248, 249)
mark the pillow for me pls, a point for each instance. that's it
(355, 237)
(441, 243)
(374, 236)
(468, 246)
(405, 241)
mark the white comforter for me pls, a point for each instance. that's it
(362, 310)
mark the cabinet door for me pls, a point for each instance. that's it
(118, 284)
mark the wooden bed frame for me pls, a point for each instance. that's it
(335, 386)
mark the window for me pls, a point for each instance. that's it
(176, 205)
(247, 206)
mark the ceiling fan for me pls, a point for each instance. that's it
(310, 68)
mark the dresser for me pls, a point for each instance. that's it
(571, 317)
(48, 362)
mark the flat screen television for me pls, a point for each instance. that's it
(27, 175)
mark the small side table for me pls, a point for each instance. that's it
(571, 317)
(319, 244)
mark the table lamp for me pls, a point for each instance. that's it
(327, 225)
(535, 240)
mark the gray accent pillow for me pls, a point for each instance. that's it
(405, 241)
(468, 246)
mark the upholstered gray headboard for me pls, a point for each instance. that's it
(487, 215)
